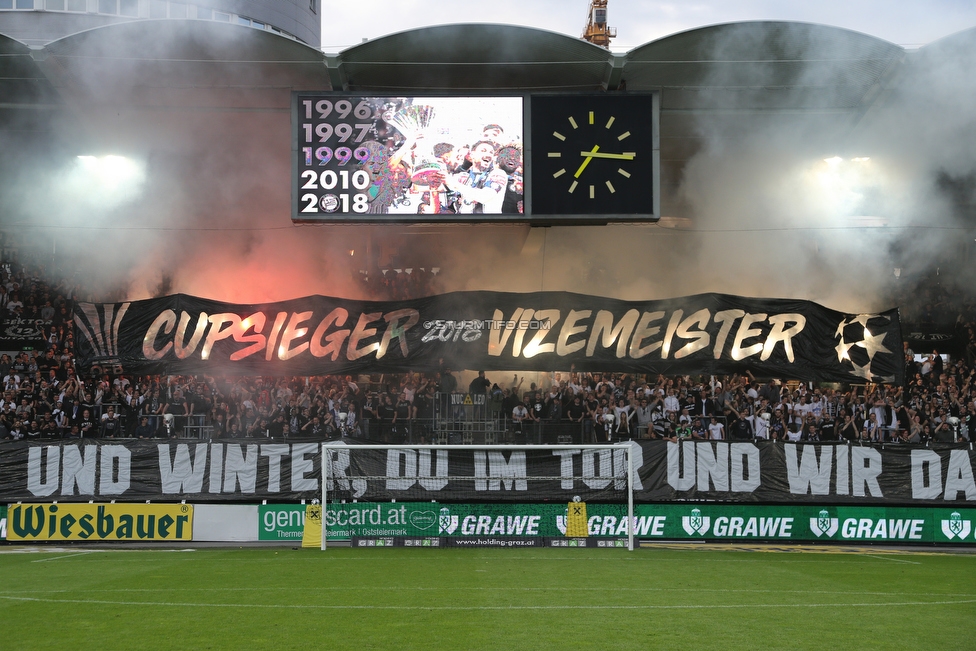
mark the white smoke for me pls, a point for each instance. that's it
(771, 217)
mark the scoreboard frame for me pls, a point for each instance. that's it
(561, 159)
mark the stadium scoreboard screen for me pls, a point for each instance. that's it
(540, 158)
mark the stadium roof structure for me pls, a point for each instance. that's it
(128, 81)
(741, 77)
(475, 57)
(26, 95)
(142, 81)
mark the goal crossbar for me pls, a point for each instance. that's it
(625, 447)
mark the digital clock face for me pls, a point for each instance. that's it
(370, 158)
(594, 155)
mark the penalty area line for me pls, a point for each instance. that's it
(179, 604)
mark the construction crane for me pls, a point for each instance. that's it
(596, 30)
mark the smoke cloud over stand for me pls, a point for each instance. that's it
(768, 207)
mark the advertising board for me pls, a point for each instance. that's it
(684, 521)
(121, 522)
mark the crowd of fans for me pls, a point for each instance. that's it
(394, 284)
(44, 397)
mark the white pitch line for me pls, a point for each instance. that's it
(54, 558)
(845, 560)
(893, 560)
(576, 559)
(489, 588)
(180, 604)
(58, 550)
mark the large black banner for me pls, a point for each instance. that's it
(759, 472)
(707, 333)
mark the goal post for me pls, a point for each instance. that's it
(490, 495)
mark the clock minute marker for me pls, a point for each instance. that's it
(625, 134)
(610, 187)
(559, 173)
(624, 172)
(573, 186)
(610, 122)
(559, 135)
(572, 121)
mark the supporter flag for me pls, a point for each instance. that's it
(312, 535)
(576, 521)
(18, 333)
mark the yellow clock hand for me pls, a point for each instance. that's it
(627, 155)
(589, 156)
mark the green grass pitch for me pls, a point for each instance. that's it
(398, 598)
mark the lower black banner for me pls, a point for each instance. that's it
(709, 471)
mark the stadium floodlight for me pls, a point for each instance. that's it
(379, 474)
(102, 182)
(111, 172)
(847, 189)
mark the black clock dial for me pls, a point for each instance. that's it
(592, 155)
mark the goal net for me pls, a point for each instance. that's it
(479, 495)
